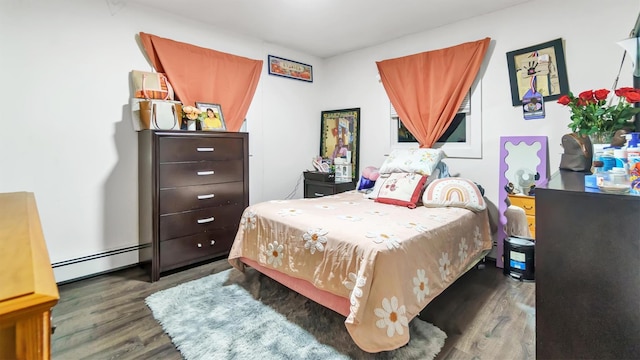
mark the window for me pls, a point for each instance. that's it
(463, 138)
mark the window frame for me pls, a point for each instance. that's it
(472, 148)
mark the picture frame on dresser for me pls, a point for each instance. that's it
(523, 162)
(213, 119)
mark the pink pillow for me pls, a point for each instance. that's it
(404, 189)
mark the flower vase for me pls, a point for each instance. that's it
(602, 137)
(191, 125)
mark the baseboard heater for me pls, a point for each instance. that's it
(96, 264)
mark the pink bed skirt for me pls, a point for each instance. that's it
(334, 302)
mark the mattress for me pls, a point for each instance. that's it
(387, 262)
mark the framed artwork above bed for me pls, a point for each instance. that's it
(340, 137)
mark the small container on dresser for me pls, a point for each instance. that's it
(193, 188)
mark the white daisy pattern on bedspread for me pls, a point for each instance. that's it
(248, 220)
(274, 254)
(390, 240)
(355, 284)
(392, 317)
(417, 227)
(290, 212)
(477, 238)
(326, 207)
(445, 265)
(462, 252)
(421, 285)
(349, 218)
(315, 239)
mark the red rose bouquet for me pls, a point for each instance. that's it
(590, 113)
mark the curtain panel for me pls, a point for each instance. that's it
(426, 89)
(206, 75)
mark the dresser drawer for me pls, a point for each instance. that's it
(313, 190)
(531, 221)
(199, 173)
(200, 196)
(528, 203)
(175, 149)
(189, 249)
(193, 222)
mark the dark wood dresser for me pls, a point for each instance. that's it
(193, 188)
(587, 276)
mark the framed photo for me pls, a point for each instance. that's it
(340, 138)
(213, 119)
(290, 69)
(538, 70)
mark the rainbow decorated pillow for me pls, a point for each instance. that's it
(454, 192)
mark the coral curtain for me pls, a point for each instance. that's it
(426, 89)
(205, 75)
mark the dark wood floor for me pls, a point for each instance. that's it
(485, 315)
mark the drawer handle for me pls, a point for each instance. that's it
(527, 207)
(204, 197)
(203, 149)
(204, 221)
(318, 194)
(204, 173)
(213, 242)
(199, 245)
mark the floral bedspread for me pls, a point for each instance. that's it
(388, 260)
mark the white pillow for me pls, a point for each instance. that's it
(404, 189)
(421, 161)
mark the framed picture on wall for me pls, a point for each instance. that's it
(340, 137)
(213, 120)
(290, 69)
(538, 70)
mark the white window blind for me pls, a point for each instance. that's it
(465, 107)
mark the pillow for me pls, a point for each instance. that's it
(455, 192)
(368, 179)
(403, 189)
(373, 193)
(421, 161)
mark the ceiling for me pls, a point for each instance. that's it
(326, 28)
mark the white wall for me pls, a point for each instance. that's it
(590, 29)
(66, 135)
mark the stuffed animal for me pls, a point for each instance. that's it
(369, 176)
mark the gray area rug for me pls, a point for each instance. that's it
(231, 315)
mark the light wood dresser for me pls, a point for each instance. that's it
(193, 189)
(528, 203)
(28, 289)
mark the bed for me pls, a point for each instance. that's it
(377, 264)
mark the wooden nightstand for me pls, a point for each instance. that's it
(313, 189)
(528, 203)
